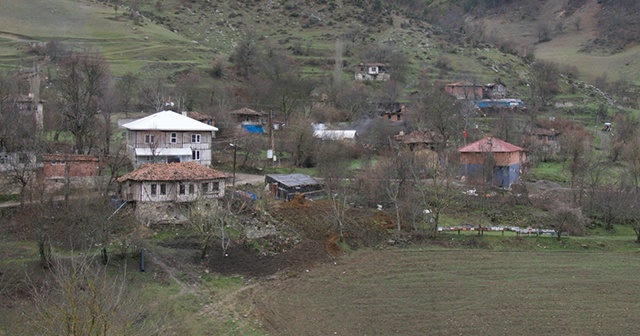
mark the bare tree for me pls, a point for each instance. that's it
(82, 298)
(435, 110)
(82, 85)
(566, 219)
(212, 221)
(543, 82)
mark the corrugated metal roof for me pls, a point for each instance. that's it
(489, 144)
(168, 121)
(293, 180)
(335, 134)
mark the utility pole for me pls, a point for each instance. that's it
(271, 137)
(235, 151)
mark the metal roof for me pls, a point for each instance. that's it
(293, 180)
(168, 121)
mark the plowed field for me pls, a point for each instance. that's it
(457, 293)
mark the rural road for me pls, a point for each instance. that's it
(249, 179)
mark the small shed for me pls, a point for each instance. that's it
(61, 166)
(287, 186)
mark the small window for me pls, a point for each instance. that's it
(173, 137)
(154, 189)
(215, 186)
(163, 189)
(195, 155)
(195, 138)
(182, 189)
(191, 189)
(4, 159)
(149, 138)
(205, 187)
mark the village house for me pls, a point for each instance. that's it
(547, 138)
(168, 136)
(58, 171)
(541, 143)
(465, 90)
(288, 186)
(372, 72)
(201, 117)
(17, 161)
(505, 159)
(250, 120)
(172, 182)
(495, 91)
(392, 112)
(59, 167)
(419, 140)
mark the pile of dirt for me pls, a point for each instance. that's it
(242, 260)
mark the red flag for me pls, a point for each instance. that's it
(464, 134)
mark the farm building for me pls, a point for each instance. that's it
(491, 160)
(287, 186)
(372, 72)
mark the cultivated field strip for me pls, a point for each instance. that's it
(459, 293)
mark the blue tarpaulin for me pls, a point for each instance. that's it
(253, 128)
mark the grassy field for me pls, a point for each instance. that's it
(78, 25)
(458, 293)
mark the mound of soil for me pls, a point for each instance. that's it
(242, 260)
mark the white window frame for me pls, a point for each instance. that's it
(195, 155)
(173, 137)
(149, 138)
(195, 138)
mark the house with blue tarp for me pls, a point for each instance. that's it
(250, 120)
(491, 160)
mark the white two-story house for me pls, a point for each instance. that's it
(166, 137)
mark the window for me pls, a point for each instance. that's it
(215, 186)
(195, 138)
(173, 138)
(191, 189)
(154, 189)
(4, 159)
(163, 189)
(181, 189)
(539, 136)
(195, 155)
(149, 138)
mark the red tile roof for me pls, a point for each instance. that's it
(544, 131)
(246, 111)
(489, 144)
(426, 137)
(176, 171)
(198, 116)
